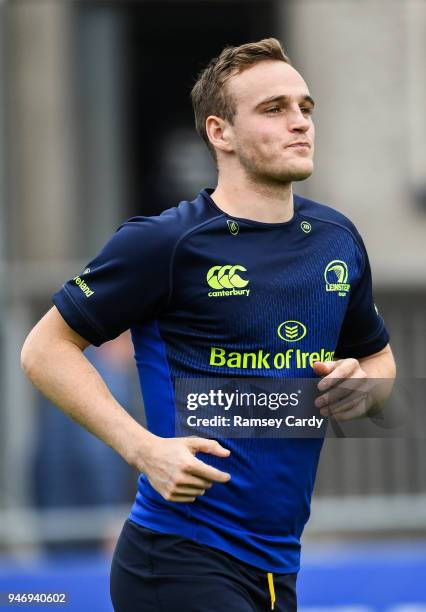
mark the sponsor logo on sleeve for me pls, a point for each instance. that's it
(83, 285)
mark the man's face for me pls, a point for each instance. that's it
(273, 112)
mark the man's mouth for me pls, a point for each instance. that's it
(301, 144)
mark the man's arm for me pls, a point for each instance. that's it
(379, 365)
(353, 388)
(52, 358)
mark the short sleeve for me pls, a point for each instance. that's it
(363, 331)
(125, 284)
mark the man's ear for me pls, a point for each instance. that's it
(220, 133)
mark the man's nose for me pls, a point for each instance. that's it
(298, 121)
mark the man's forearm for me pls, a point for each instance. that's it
(60, 370)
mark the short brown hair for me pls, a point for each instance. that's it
(209, 94)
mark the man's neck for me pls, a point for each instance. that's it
(258, 202)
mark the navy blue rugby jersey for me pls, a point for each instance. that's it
(206, 294)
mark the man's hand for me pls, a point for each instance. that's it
(175, 472)
(344, 389)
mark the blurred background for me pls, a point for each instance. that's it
(96, 126)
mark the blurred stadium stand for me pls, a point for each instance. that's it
(96, 126)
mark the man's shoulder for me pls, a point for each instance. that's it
(327, 214)
(174, 222)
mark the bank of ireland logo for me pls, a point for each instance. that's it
(336, 276)
(233, 227)
(292, 331)
(227, 280)
(83, 285)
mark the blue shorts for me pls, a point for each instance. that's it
(157, 572)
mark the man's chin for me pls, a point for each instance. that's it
(297, 171)
(268, 173)
(288, 175)
(301, 175)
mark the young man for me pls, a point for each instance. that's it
(205, 288)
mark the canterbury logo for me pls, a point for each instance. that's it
(233, 227)
(226, 277)
(227, 281)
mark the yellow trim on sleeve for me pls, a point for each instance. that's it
(271, 589)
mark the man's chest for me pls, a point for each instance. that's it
(253, 297)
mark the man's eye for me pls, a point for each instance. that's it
(307, 110)
(273, 109)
